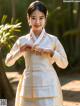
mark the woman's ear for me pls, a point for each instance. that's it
(45, 22)
(28, 19)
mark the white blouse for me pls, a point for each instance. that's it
(39, 77)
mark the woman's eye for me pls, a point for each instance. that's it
(41, 18)
(33, 18)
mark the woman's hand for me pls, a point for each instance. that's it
(41, 51)
(47, 52)
(25, 47)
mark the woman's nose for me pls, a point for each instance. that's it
(37, 21)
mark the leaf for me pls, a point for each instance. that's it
(3, 19)
(7, 32)
(12, 20)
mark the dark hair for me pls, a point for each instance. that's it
(37, 5)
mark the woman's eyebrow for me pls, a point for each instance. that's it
(42, 16)
(39, 16)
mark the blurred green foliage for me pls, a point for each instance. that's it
(8, 35)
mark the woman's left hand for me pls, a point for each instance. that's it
(48, 52)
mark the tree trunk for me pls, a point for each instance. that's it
(6, 90)
(78, 16)
(78, 37)
(13, 8)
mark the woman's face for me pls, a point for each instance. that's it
(37, 20)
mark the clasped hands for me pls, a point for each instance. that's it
(36, 50)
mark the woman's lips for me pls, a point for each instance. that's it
(37, 26)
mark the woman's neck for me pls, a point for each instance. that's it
(37, 33)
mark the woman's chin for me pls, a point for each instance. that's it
(38, 29)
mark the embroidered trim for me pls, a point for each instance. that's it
(35, 98)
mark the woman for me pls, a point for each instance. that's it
(39, 85)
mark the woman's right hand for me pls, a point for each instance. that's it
(25, 47)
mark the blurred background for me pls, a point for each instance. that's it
(63, 21)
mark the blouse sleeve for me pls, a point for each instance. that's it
(14, 54)
(59, 55)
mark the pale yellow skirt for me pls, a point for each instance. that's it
(21, 101)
